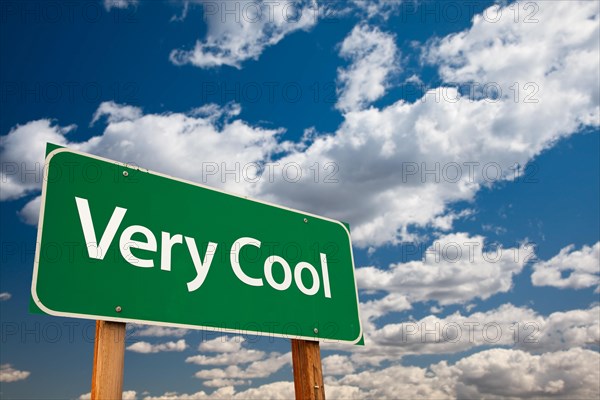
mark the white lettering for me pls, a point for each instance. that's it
(165, 253)
(89, 234)
(126, 243)
(235, 260)
(202, 267)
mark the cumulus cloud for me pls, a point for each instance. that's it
(30, 214)
(508, 325)
(561, 331)
(223, 344)
(5, 296)
(371, 310)
(505, 326)
(456, 268)
(22, 154)
(116, 112)
(494, 374)
(373, 59)
(146, 348)
(505, 373)
(451, 334)
(570, 268)
(497, 50)
(337, 365)
(169, 143)
(435, 382)
(242, 356)
(9, 374)
(257, 369)
(245, 31)
(158, 331)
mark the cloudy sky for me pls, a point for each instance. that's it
(458, 139)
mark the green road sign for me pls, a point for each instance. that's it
(125, 244)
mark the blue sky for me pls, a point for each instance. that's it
(441, 125)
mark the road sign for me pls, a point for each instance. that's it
(120, 243)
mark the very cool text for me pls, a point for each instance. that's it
(202, 265)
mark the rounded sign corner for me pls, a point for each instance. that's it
(40, 305)
(55, 152)
(360, 336)
(345, 230)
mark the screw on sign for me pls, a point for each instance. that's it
(156, 250)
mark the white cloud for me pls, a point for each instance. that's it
(232, 354)
(507, 325)
(22, 154)
(176, 141)
(582, 266)
(274, 391)
(337, 365)
(374, 59)
(558, 53)
(169, 143)
(110, 4)
(127, 395)
(562, 330)
(242, 356)
(435, 382)
(9, 374)
(223, 344)
(5, 296)
(30, 214)
(245, 32)
(371, 310)
(492, 374)
(500, 373)
(435, 310)
(145, 347)
(116, 112)
(455, 269)
(158, 331)
(257, 369)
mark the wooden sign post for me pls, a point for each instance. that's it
(109, 357)
(308, 374)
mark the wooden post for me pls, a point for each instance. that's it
(308, 374)
(109, 357)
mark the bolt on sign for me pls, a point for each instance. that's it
(124, 244)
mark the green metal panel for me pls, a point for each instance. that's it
(69, 282)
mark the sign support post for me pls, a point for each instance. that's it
(109, 357)
(308, 374)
